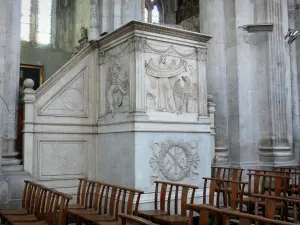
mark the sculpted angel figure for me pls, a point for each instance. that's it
(116, 86)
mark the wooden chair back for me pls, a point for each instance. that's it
(261, 182)
(133, 220)
(85, 192)
(232, 191)
(115, 199)
(227, 173)
(56, 207)
(163, 194)
(270, 209)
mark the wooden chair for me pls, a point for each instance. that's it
(163, 215)
(226, 173)
(26, 198)
(134, 220)
(84, 188)
(264, 182)
(34, 212)
(87, 199)
(272, 201)
(54, 210)
(163, 211)
(112, 201)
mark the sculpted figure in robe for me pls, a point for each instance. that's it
(116, 86)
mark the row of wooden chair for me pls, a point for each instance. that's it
(101, 203)
(40, 206)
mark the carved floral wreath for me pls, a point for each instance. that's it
(175, 160)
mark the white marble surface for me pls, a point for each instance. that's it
(94, 119)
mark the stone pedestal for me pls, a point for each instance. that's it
(153, 123)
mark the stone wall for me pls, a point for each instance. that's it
(51, 58)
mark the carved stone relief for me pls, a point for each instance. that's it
(117, 85)
(175, 160)
(169, 88)
(71, 100)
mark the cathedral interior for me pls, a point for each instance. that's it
(183, 85)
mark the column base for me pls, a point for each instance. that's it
(278, 155)
(221, 155)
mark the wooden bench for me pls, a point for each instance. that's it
(42, 208)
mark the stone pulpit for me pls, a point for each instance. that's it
(154, 122)
(127, 109)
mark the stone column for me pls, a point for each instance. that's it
(212, 22)
(277, 147)
(247, 94)
(10, 24)
(294, 17)
(94, 31)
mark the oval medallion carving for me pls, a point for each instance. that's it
(72, 99)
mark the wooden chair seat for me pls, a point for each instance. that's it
(112, 222)
(12, 212)
(94, 218)
(149, 214)
(172, 220)
(20, 218)
(30, 223)
(76, 206)
(82, 211)
(130, 219)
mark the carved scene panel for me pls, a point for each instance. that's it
(116, 86)
(171, 78)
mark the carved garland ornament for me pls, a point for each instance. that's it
(175, 160)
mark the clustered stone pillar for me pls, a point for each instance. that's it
(94, 31)
(277, 146)
(212, 22)
(10, 25)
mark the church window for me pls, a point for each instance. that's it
(25, 20)
(153, 11)
(146, 15)
(155, 15)
(36, 21)
(44, 21)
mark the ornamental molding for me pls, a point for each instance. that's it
(175, 160)
(153, 28)
(126, 47)
(170, 50)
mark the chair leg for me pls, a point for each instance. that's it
(78, 221)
